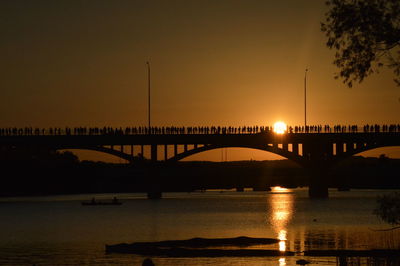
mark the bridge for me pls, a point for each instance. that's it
(314, 149)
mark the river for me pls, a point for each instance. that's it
(58, 230)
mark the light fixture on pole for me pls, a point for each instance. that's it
(148, 82)
(305, 98)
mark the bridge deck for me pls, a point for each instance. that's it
(170, 139)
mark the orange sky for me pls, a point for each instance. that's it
(83, 63)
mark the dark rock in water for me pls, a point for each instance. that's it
(198, 242)
(192, 247)
(302, 262)
(189, 252)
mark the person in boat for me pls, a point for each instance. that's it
(93, 201)
(115, 200)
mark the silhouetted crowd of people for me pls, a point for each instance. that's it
(132, 130)
(29, 131)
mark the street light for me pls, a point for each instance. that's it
(305, 98)
(148, 82)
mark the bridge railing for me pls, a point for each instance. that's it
(141, 130)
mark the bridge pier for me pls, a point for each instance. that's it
(318, 164)
(318, 191)
(318, 185)
(154, 152)
(154, 186)
(261, 188)
(156, 194)
(295, 148)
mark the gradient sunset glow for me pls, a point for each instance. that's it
(214, 63)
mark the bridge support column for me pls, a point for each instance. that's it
(339, 148)
(295, 147)
(153, 182)
(329, 149)
(260, 187)
(306, 151)
(285, 146)
(165, 152)
(153, 152)
(349, 147)
(156, 194)
(239, 189)
(318, 167)
(316, 191)
(318, 185)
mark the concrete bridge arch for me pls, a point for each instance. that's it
(327, 154)
(281, 152)
(102, 149)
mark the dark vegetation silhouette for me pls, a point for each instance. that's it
(365, 35)
(389, 209)
(62, 173)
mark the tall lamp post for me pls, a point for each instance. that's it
(305, 98)
(148, 82)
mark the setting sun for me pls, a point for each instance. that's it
(280, 127)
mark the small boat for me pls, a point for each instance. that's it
(93, 202)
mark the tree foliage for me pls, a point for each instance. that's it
(365, 35)
(389, 208)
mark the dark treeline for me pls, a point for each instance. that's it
(62, 173)
(30, 131)
(360, 172)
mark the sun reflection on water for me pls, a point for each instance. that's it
(281, 215)
(279, 189)
(281, 204)
(282, 240)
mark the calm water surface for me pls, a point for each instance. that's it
(57, 230)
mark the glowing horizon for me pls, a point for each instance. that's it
(215, 63)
